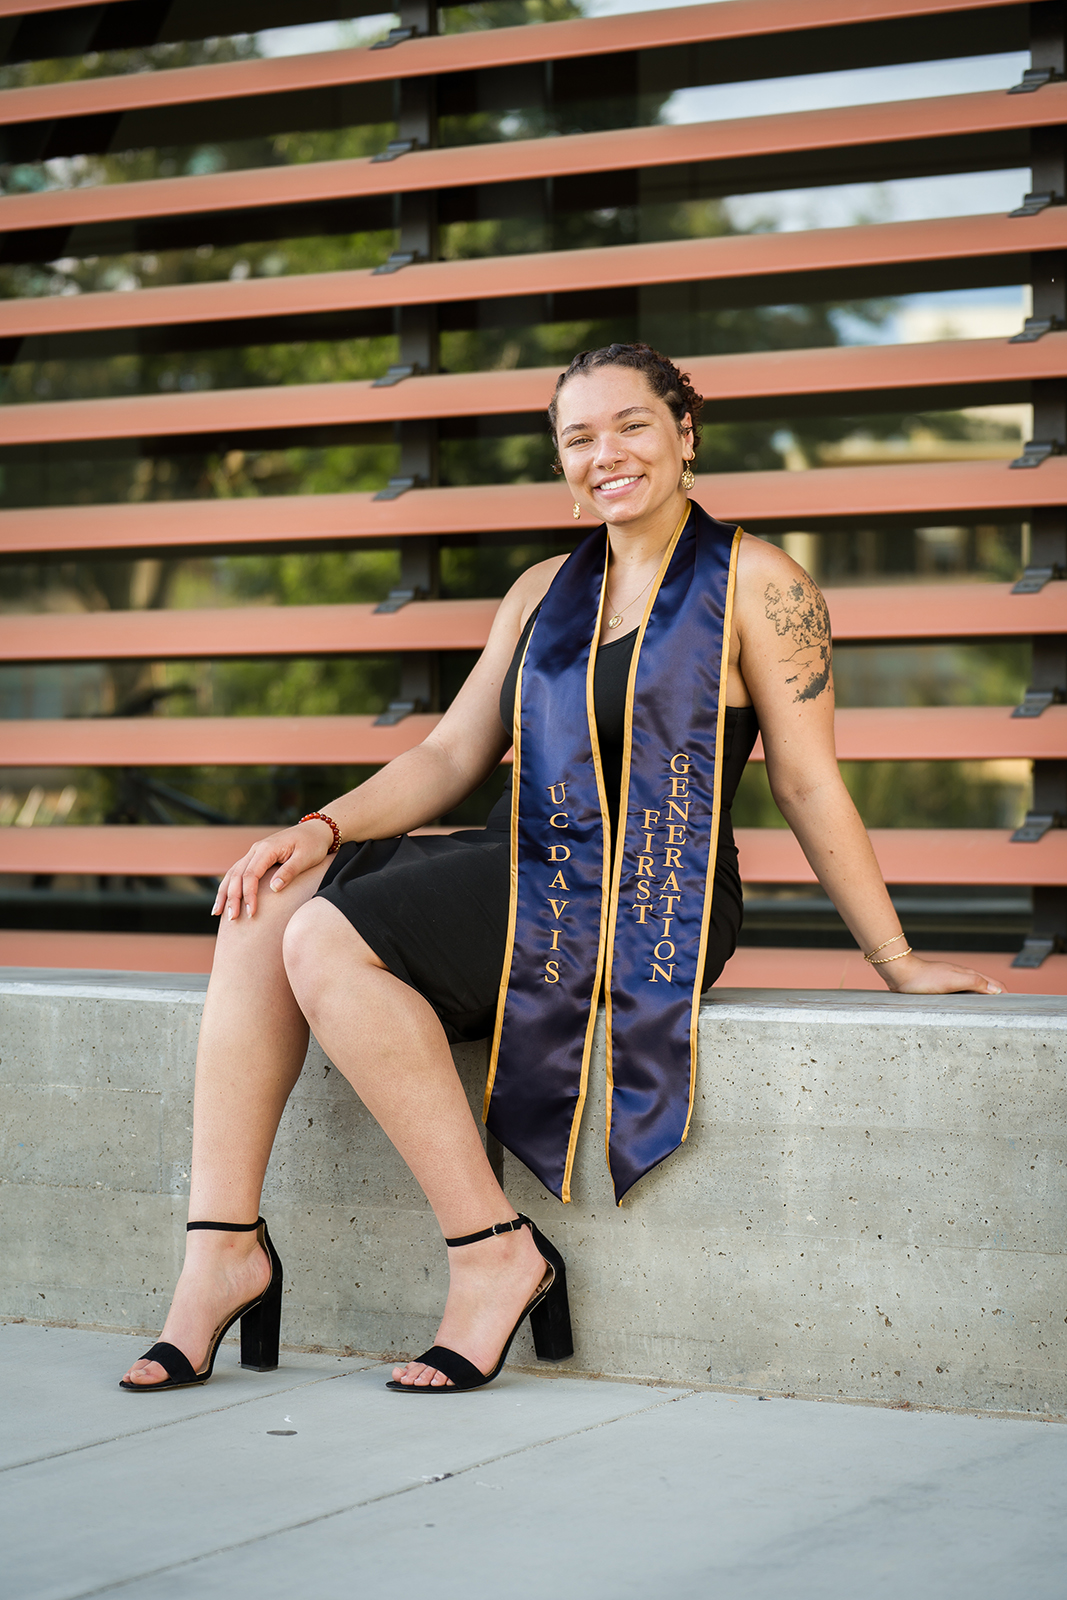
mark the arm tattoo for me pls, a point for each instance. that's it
(801, 619)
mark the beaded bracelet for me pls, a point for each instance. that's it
(883, 959)
(320, 816)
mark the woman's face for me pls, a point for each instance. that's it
(619, 445)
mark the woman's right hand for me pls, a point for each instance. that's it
(293, 851)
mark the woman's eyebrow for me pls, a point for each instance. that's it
(584, 427)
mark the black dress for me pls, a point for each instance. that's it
(434, 908)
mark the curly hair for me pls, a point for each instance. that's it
(663, 378)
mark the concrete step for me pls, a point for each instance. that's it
(869, 1206)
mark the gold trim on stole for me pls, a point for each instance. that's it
(605, 866)
(624, 790)
(716, 815)
(509, 948)
(513, 892)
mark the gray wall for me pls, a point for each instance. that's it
(870, 1203)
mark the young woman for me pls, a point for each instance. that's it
(639, 669)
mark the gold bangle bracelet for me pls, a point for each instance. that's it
(883, 959)
(882, 946)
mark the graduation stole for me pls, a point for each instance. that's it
(640, 927)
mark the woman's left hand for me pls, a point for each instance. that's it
(937, 977)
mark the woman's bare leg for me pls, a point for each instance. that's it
(253, 1039)
(388, 1042)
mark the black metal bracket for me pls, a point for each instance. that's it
(1033, 78)
(1034, 579)
(1035, 451)
(1035, 825)
(396, 487)
(1038, 200)
(1035, 951)
(396, 712)
(396, 147)
(398, 259)
(1037, 700)
(397, 36)
(396, 599)
(396, 374)
(1035, 328)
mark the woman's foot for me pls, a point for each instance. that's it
(489, 1285)
(222, 1271)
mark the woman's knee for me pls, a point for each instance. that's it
(252, 938)
(301, 939)
(318, 942)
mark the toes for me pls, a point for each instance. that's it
(417, 1376)
(146, 1372)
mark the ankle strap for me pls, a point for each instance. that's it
(226, 1227)
(489, 1233)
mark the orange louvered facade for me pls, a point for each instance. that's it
(450, 256)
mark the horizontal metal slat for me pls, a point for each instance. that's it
(251, 631)
(874, 369)
(209, 741)
(767, 855)
(907, 611)
(928, 490)
(66, 949)
(24, 8)
(928, 733)
(741, 256)
(521, 160)
(946, 733)
(466, 52)
(152, 850)
(944, 611)
(916, 855)
(750, 967)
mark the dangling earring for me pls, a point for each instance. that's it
(577, 511)
(688, 479)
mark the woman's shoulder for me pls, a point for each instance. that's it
(528, 590)
(767, 578)
(760, 561)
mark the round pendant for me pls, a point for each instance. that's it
(613, 622)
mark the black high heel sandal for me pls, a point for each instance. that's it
(548, 1311)
(260, 1325)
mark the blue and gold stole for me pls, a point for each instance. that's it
(640, 925)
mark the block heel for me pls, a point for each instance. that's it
(550, 1318)
(260, 1325)
(547, 1309)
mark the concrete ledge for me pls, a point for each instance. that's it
(870, 1204)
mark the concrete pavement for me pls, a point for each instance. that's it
(315, 1481)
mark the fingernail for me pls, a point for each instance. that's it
(276, 883)
(248, 911)
(231, 914)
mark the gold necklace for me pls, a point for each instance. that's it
(616, 618)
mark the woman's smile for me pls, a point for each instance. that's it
(617, 486)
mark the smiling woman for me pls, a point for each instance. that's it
(609, 869)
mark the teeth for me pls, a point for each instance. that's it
(619, 483)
